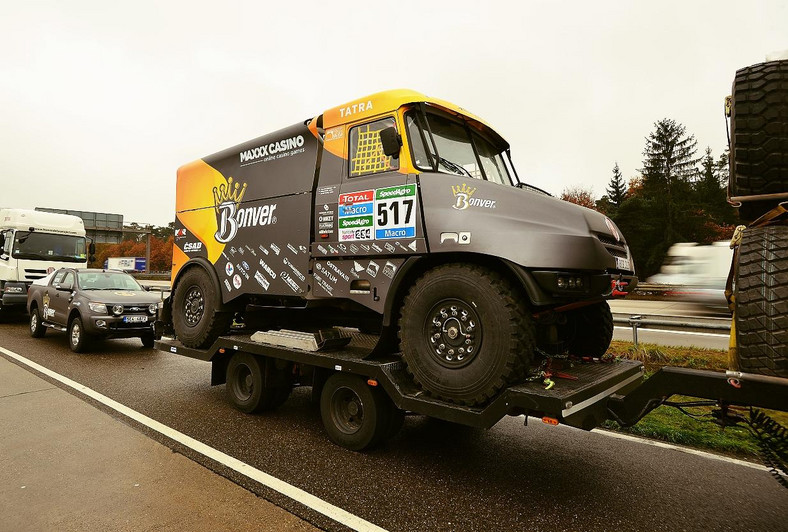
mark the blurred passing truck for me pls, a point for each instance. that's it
(758, 186)
(696, 272)
(400, 215)
(32, 244)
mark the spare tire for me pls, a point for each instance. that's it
(761, 301)
(759, 135)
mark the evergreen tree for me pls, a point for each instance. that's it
(668, 170)
(617, 188)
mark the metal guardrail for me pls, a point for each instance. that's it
(668, 323)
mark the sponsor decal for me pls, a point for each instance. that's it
(245, 265)
(332, 249)
(227, 284)
(463, 198)
(339, 272)
(274, 150)
(295, 270)
(237, 281)
(292, 248)
(267, 269)
(180, 233)
(302, 249)
(261, 280)
(389, 269)
(395, 212)
(326, 190)
(228, 269)
(192, 247)
(355, 108)
(377, 248)
(326, 273)
(275, 248)
(290, 282)
(335, 133)
(373, 268)
(389, 247)
(353, 248)
(323, 284)
(227, 199)
(250, 250)
(321, 249)
(365, 247)
(263, 249)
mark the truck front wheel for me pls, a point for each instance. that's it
(465, 333)
(195, 317)
(590, 330)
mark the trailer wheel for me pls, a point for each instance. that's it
(593, 330)
(37, 329)
(246, 388)
(759, 134)
(196, 321)
(355, 415)
(465, 333)
(761, 301)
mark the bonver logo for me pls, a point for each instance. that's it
(462, 194)
(227, 199)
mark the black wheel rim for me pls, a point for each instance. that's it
(193, 306)
(347, 410)
(453, 333)
(243, 383)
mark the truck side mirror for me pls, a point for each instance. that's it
(92, 248)
(2, 240)
(390, 141)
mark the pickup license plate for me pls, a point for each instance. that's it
(135, 319)
(622, 264)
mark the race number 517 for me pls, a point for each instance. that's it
(395, 212)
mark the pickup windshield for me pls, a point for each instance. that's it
(444, 144)
(98, 280)
(49, 246)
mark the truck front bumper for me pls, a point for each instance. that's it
(14, 293)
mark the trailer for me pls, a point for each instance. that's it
(363, 399)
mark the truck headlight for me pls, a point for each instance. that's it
(100, 308)
(14, 289)
(153, 307)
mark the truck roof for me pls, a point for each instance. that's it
(24, 219)
(391, 100)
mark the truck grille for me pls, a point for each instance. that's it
(32, 275)
(615, 248)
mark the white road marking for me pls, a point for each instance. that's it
(644, 329)
(307, 499)
(674, 447)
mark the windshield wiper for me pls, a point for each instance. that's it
(453, 167)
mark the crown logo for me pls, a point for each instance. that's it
(463, 189)
(233, 192)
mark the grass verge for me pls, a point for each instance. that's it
(669, 424)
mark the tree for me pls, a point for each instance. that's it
(579, 196)
(617, 188)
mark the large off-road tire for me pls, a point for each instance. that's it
(761, 301)
(37, 329)
(195, 317)
(759, 134)
(465, 333)
(590, 330)
(246, 388)
(355, 415)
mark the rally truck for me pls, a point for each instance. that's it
(402, 216)
(33, 244)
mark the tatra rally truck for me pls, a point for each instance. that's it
(387, 255)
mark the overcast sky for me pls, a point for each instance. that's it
(102, 101)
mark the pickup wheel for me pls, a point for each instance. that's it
(590, 330)
(147, 340)
(465, 333)
(246, 388)
(355, 415)
(196, 321)
(77, 338)
(37, 329)
(761, 301)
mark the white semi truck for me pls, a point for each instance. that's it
(34, 243)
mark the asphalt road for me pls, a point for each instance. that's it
(432, 475)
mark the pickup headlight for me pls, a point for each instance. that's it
(100, 308)
(153, 307)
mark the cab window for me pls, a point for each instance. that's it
(68, 280)
(366, 150)
(59, 277)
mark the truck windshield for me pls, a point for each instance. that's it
(49, 246)
(450, 146)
